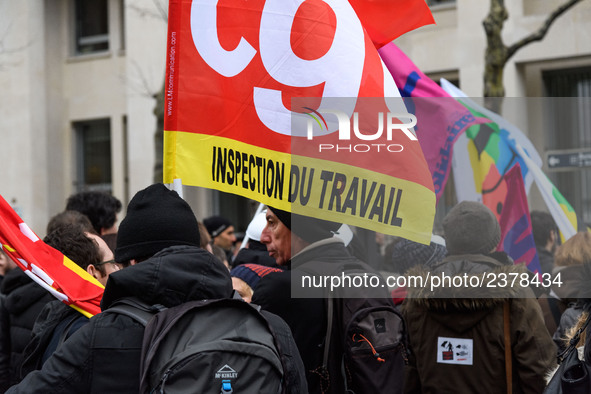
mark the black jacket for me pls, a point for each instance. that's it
(307, 316)
(21, 305)
(56, 323)
(104, 355)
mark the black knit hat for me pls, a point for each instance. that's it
(471, 228)
(216, 225)
(156, 218)
(308, 228)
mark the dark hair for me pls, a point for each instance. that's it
(542, 225)
(75, 244)
(101, 208)
(111, 240)
(70, 218)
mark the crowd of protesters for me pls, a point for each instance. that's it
(460, 338)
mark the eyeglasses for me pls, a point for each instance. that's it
(116, 265)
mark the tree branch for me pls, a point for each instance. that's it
(162, 9)
(541, 32)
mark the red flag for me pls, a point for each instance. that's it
(279, 101)
(386, 20)
(59, 275)
(517, 238)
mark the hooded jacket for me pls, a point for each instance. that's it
(457, 333)
(21, 305)
(104, 355)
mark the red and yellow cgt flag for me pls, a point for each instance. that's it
(59, 275)
(289, 103)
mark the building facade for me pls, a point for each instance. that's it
(78, 79)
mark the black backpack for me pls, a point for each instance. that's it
(366, 335)
(210, 346)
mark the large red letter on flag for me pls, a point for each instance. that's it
(253, 107)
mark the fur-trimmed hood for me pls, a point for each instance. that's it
(465, 283)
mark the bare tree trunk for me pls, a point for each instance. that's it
(497, 53)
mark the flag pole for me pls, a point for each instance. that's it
(245, 240)
(177, 186)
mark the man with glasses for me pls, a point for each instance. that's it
(101, 270)
(58, 321)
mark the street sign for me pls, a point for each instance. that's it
(568, 159)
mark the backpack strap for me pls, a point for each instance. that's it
(508, 356)
(330, 317)
(136, 309)
(65, 333)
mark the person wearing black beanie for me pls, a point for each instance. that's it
(222, 234)
(310, 229)
(156, 218)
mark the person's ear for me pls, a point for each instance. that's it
(92, 270)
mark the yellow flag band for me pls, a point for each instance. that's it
(308, 186)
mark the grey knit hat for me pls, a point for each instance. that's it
(406, 254)
(471, 228)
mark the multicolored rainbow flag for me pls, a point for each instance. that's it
(49, 268)
(485, 154)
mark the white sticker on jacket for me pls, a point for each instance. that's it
(455, 351)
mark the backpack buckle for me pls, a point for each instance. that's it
(226, 387)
